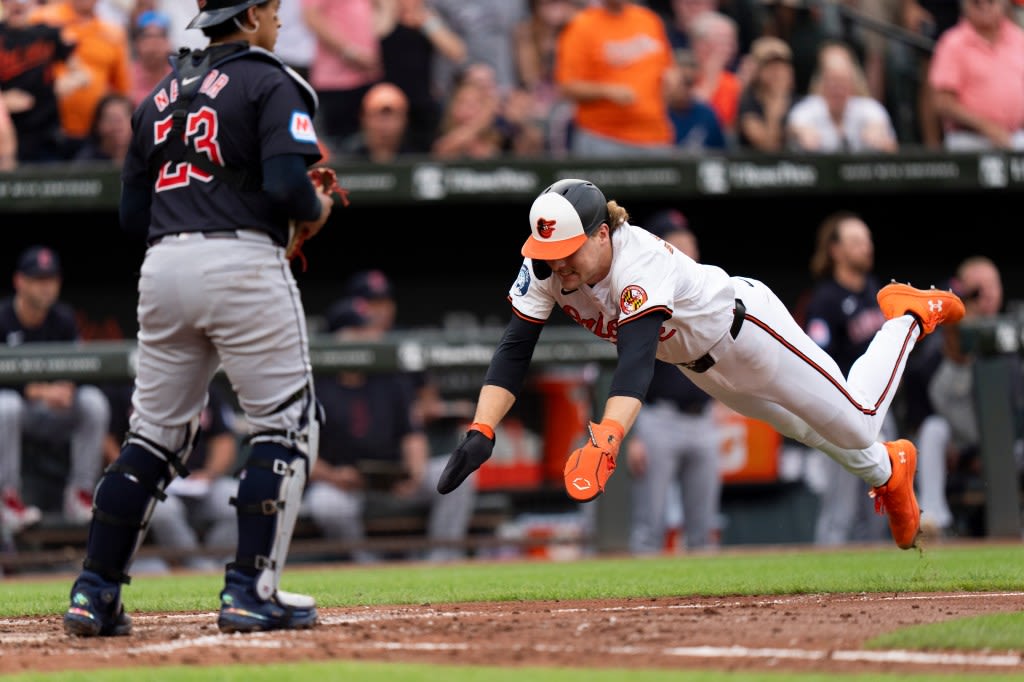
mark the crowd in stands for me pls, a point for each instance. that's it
(547, 78)
(483, 79)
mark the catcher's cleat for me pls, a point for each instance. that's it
(242, 611)
(96, 609)
(896, 498)
(931, 307)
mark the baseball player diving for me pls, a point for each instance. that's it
(216, 181)
(731, 336)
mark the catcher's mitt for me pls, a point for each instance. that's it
(325, 180)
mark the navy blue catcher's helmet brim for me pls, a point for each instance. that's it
(218, 11)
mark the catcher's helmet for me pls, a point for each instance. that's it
(213, 12)
(562, 217)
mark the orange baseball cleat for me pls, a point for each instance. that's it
(896, 498)
(931, 307)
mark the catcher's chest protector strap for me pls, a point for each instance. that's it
(191, 69)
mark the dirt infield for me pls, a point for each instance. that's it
(808, 632)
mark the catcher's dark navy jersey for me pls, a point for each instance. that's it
(269, 116)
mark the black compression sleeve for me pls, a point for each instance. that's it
(134, 210)
(286, 182)
(637, 346)
(511, 360)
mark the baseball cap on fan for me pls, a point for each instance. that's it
(666, 222)
(562, 218)
(39, 261)
(368, 284)
(213, 12)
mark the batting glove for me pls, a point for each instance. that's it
(474, 450)
(588, 469)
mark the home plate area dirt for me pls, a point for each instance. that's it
(823, 632)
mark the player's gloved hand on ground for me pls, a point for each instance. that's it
(474, 450)
(589, 468)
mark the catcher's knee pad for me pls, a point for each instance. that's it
(123, 504)
(268, 502)
(295, 424)
(173, 444)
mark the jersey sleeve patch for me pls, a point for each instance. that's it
(632, 299)
(302, 128)
(522, 284)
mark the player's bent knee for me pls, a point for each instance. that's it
(93, 405)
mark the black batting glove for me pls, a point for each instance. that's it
(473, 451)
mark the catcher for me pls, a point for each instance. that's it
(731, 336)
(216, 171)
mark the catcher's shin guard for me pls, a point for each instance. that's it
(125, 498)
(268, 503)
(271, 488)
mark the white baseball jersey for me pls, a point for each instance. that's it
(770, 370)
(647, 275)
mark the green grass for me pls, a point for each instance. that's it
(952, 568)
(972, 568)
(404, 672)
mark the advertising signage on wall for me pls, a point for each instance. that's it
(414, 181)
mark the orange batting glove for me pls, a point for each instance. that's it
(589, 468)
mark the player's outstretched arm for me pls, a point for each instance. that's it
(478, 443)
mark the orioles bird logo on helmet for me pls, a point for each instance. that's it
(545, 227)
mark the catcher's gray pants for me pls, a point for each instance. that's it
(83, 426)
(681, 448)
(339, 513)
(208, 303)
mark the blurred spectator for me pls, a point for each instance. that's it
(346, 64)
(373, 443)
(713, 36)
(58, 411)
(383, 131)
(30, 84)
(378, 309)
(535, 40)
(695, 123)
(487, 28)
(151, 47)
(765, 102)
(839, 114)
(614, 61)
(954, 436)
(197, 511)
(843, 317)
(179, 15)
(102, 50)
(470, 124)
(679, 22)
(977, 77)
(111, 132)
(524, 135)
(8, 139)
(379, 306)
(800, 24)
(296, 44)
(675, 440)
(412, 38)
(929, 19)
